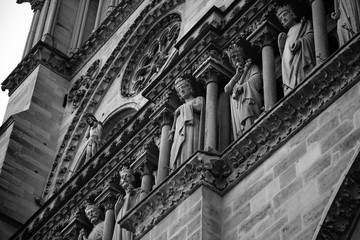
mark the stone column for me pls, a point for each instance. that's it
(36, 7)
(111, 7)
(320, 31)
(82, 25)
(224, 121)
(47, 37)
(210, 112)
(265, 37)
(147, 178)
(98, 14)
(268, 62)
(165, 146)
(109, 222)
(107, 198)
(77, 26)
(40, 28)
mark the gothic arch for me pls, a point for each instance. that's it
(342, 219)
(117, 119)
(151, 56)
(113, 123)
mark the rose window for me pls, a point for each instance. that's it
(151, 56)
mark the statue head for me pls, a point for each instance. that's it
(236, 55)
(184, 88)
(94, 213)
(286, 16)
(90, 119)
(127, 178)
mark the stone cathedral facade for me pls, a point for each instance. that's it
(176, 119)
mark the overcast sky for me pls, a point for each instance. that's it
(15, 21)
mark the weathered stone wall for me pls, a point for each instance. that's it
(198, 217)
(289, 194)
(32, 139)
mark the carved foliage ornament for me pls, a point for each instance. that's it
(82, 85)
(151, 56)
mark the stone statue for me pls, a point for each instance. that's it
(348, 20)
(96, 216)
(296, 48)
(185, 133)
(93, 135)
(125, 203)
(245, 88)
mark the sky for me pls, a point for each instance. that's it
(15, 21)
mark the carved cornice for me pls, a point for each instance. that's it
(40, 54)
(265, 35)
(163, 199)
(323, 86)
(108, 196)
(212, 67)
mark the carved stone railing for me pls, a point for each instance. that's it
(324, 85)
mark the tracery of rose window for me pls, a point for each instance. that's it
(154, 54)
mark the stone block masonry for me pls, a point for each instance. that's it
(294, 186)
(35, 108)
(198, 217)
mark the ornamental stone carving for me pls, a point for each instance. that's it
(151, 56)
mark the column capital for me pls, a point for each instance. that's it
(36, 4)
(265, 35)
(163, 116)
(210, 65)
(145, 164)
(147, 167)
(77, 222)
(107, 197)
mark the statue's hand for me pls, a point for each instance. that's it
(281, 41)
(295, 46)
(335, 15)
(248, 63)
(82, 235)
(239, 69)
(228, 88)
(238, 91)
